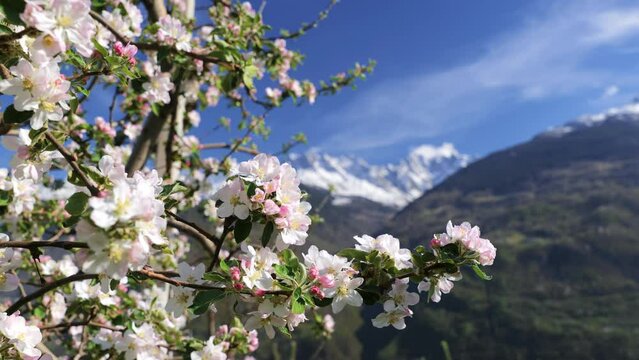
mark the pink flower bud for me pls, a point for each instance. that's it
(435, 243)
(238, 286)
(313, 273)
(260, 292)
(118, 48)
(327, 281)
(222, 330)
(317, 292)
(235, 273)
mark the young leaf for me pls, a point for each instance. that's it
(480, 273)
(77, 204)
(353, 254)
(203, 299)
(298, 305)
(214, 277)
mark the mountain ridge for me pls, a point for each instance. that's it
(393, 184)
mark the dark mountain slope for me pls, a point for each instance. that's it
(562, 211)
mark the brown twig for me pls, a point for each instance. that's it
(155, 46)
(32, 245)
(228, 146)
(15, 36)
(72, 160)
(312, 25)
(46, 288)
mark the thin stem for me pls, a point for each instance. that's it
(48, 287)
(72, 160)
(32, 245)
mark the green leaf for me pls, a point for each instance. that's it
(214, 277)
(284, 330)
(101, 49)
(353, 254)
(267, 233)
(298, 305)
(480, 273)
(77, 204)
(13, 116)
(283, 271)
(70, 222)
(12, 10)
(176, 187)
(5, 198)
(369, 298)
(249, 73)
(242, 229)
(204, 299)
(224, 266)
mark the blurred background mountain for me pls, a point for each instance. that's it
(562, 210)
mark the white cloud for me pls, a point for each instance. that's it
(610, 91)
(544, 57)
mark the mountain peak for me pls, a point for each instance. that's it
(394, 184)
(629, 112)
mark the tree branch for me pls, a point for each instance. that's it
(228, 146)
(156, 46)
(322, 15)
(48, 287)
(32, 245)
(72, 160)
(201, 238)
(15, 36)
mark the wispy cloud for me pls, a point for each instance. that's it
(546, 56)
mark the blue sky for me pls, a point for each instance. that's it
(482, 75)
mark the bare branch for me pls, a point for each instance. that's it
(228, 146)
(48, 287)
(72, 160)
(32, 245)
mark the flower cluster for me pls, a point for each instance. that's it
(17, 336)
(234, 339)
(465, 240)
(269, 190)
(9, 260)
(67, 21)
(125, 221)
(40, 88)
(333, 277)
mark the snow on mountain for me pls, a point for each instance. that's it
(628, 112)
(393, 185)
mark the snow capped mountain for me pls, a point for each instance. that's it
(628, 112)
(393, 185)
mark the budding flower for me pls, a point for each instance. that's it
(238, 286)
(235, 273)
(127, 51)
(327, 281)
(317, 292)
(313, 273)
(435, 242)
